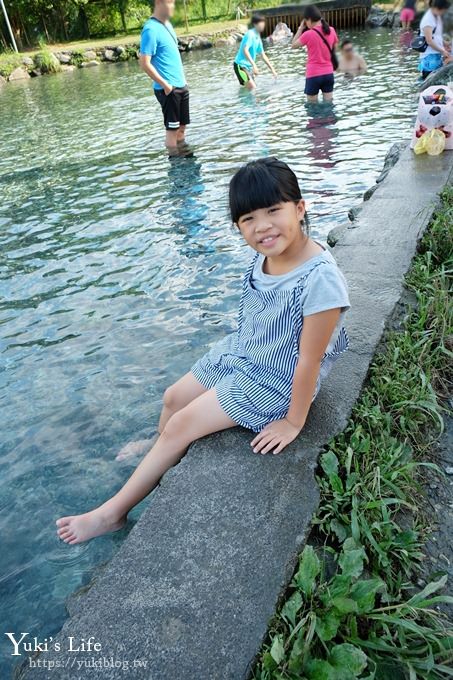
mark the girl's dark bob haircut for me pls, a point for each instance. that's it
(262, 184)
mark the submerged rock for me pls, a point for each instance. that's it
(442, 76)
(19, 73)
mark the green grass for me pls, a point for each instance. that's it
(8, 62)
(46, 61)
(355, 613)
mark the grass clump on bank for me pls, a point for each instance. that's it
(8, 62)
(46, 61)
(355, 613)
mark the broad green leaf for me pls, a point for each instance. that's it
(351, 562)
(339, 530)
(346, 657)
(345, 605)
(364, 593)
(309, 568)
(336, 484)
(277, 649)
(339, 585)
(329, 463)
(268, 662)
(291, 607)
(318, 669)
(327, 625)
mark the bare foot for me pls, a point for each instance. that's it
(79, 528)
(138, 448)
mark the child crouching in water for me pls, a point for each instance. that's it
(265, 375)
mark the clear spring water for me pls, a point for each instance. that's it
(118, 267)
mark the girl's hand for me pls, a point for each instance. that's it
(276, 435)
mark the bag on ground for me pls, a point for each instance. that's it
(435, 112)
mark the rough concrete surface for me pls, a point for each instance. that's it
(192, 589)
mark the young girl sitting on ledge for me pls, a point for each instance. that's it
(265, 375)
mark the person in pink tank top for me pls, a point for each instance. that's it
(320, 39)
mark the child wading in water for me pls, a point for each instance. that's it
(265, 375)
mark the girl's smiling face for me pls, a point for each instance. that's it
(273, 230)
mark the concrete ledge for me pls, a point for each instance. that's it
(193, 587)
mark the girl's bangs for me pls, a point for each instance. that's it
(253, 189)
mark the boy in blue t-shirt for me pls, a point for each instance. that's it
(251, 46)
(161, 60)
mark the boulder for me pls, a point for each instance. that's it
(204, 43)
(442, 76)
(90, 55)
(335, 234)
(63, 57)
(225, 42)
(19, 74)
(379, 17)
(88, 64)
(187, 44)
(109, 54)
(27, 61)
(120, 50)
(391, 159)
(35, 72)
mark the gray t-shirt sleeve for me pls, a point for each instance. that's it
(325, 288)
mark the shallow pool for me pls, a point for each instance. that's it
(118, 267)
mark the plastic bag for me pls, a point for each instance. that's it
(435, 111)
(431, 142)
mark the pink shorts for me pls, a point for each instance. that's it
(407, 14)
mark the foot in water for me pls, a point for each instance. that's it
(79, 528)
(138, 448)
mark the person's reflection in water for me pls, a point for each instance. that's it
(185, 212)
(322, 132)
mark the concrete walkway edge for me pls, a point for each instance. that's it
(190, 593)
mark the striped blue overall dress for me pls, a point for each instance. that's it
(252, 369)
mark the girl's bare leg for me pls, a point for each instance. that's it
(181, 393)
(200, 417)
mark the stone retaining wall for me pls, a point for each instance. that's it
(69, 60)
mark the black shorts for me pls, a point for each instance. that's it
(316, 83)
(175, 107)
(243, 74)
